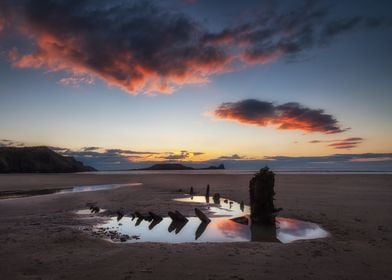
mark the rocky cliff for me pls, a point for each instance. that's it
(38, 160)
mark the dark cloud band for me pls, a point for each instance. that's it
(341, 144)
(139, 46)
(117, 159)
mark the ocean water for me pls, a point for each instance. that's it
(230, 172)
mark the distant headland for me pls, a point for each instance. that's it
(38, 160)
(177, 166)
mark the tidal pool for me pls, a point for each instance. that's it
(89, 211)
(76, 189)
(229, 223)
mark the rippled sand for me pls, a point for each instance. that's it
(42, 238)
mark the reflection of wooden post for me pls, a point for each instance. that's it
(216, 198)
(242, 206)
(262, 233)
(261, 189)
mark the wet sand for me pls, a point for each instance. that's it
(42, 238)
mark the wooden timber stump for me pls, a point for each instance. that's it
(261, 188)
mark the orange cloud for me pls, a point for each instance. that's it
(122, 70)
(146, 59)
(285, 116)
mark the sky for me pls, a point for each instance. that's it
(122, 84)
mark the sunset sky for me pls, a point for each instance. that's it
(126, 83)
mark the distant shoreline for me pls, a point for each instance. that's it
(176, 166)
(235, 171)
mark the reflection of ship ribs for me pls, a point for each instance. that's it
(203, 217)
(177, 216)
(177, 226)
(200, 230)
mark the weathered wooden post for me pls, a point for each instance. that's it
(208, 194)
(261, 188)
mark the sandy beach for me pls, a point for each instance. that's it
(42, 238)
(195, 140)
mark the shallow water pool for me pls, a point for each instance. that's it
(75, 189)
(229, 223)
